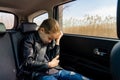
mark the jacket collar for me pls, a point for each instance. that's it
(38, 39)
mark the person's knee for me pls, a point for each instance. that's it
(70, 75)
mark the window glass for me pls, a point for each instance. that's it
(90, 17)
(39, 19)
(7, 19)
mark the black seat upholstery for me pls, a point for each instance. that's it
(28, 27)
(115, 61)
(17, 37)
(7, 62)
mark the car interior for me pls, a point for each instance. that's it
(94, 57)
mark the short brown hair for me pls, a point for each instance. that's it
(50, 25)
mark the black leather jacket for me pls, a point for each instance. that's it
(37, 55)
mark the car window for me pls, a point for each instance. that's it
(39, 19)
(7, 19)
(89, 17)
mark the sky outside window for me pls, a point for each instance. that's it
(80, 8)
(90, 17)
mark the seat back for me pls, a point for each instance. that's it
(7, 62)
(17, 37)
(115, 61)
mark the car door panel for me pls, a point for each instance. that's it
(89, 56)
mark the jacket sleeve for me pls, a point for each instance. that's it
(29, 55)
(54, 50)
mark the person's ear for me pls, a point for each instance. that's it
(42, 30)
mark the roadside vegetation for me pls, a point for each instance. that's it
(91, 25)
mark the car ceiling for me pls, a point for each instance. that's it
(27, 7)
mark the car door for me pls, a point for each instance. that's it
(90, 32)
(87, 55)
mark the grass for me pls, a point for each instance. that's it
(92, 26)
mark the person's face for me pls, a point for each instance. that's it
(47, 38)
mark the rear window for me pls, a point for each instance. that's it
(7, 19)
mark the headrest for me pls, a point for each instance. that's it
(28, 27)
(115, 61)
(2, 28)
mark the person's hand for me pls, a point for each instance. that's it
(54, 62)
(59, 37)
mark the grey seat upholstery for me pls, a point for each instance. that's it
(7, 62)
(115, 61)
(2, 28)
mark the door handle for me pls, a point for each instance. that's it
(98, 52)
